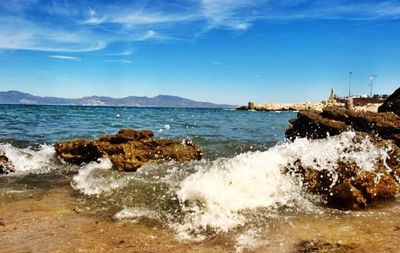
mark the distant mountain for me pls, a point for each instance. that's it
(16, 97)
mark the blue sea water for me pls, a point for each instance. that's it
(219, 132)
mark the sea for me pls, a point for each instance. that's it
(238, 191)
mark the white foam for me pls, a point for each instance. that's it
(91, 181)
(217, 196)
(249, 240)
(28, 159)
(324, 153)
(133, 214)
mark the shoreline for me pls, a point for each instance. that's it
(58, 221)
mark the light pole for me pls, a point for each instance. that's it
(350, 73)
(371, 78)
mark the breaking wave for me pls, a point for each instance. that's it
(220, 196)
(30, 160)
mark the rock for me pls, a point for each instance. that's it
(392, 103)
(311, 124)
(78, 151)
(5, 166)
(318, 246)
(128, 150)
(350, 187)
(332, 121)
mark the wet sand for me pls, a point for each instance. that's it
(57, 220)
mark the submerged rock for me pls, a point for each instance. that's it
(392, 103)
(318, 246)
(128, 150)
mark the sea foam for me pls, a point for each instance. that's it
(24, 160)
(219, 196)
(91, 181)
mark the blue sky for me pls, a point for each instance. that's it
(225, 51)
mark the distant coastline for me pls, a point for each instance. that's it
(161, 101)
(360, 103)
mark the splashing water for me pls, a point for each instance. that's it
(221, 196)
(29, 160)
(91, 181)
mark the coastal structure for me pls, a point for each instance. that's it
(356, 103)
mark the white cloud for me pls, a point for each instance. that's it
(149, 18)
(119, 61)
(93, 19)
(123, 53)
(18, 33)
(65, 57)
(233, 14)
(76, 28)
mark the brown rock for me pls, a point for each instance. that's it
(5, 166)
(392, 103)
(128, 150)
(345, 195)
(318, 246)
(332, 121)
(78, 151)
(349, 186)
(126, 135)
(311, 124)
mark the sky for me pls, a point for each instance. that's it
(222, 51)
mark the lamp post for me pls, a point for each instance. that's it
(371, 78)
(350, 73)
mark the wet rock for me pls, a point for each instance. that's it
(311, 246)
(349, 186)
(392, 103)
(78, 151)
(128, 150)
(332, 121)
(5, 166)
(311, 124)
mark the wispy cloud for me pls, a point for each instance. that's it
(123, 53)
(93, 19)
(119, 61)
(69, 26)
(65, 57)
(19, 33)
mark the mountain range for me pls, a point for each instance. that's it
(16, 97)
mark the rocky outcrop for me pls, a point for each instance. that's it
(128, 150)
(350, 186)
(392, 103)
(5, 166)
(333, 121)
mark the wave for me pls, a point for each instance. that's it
(194, 198)
(30, 160)
(221, 195)
(90, 181)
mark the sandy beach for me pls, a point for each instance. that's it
(57, 220)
